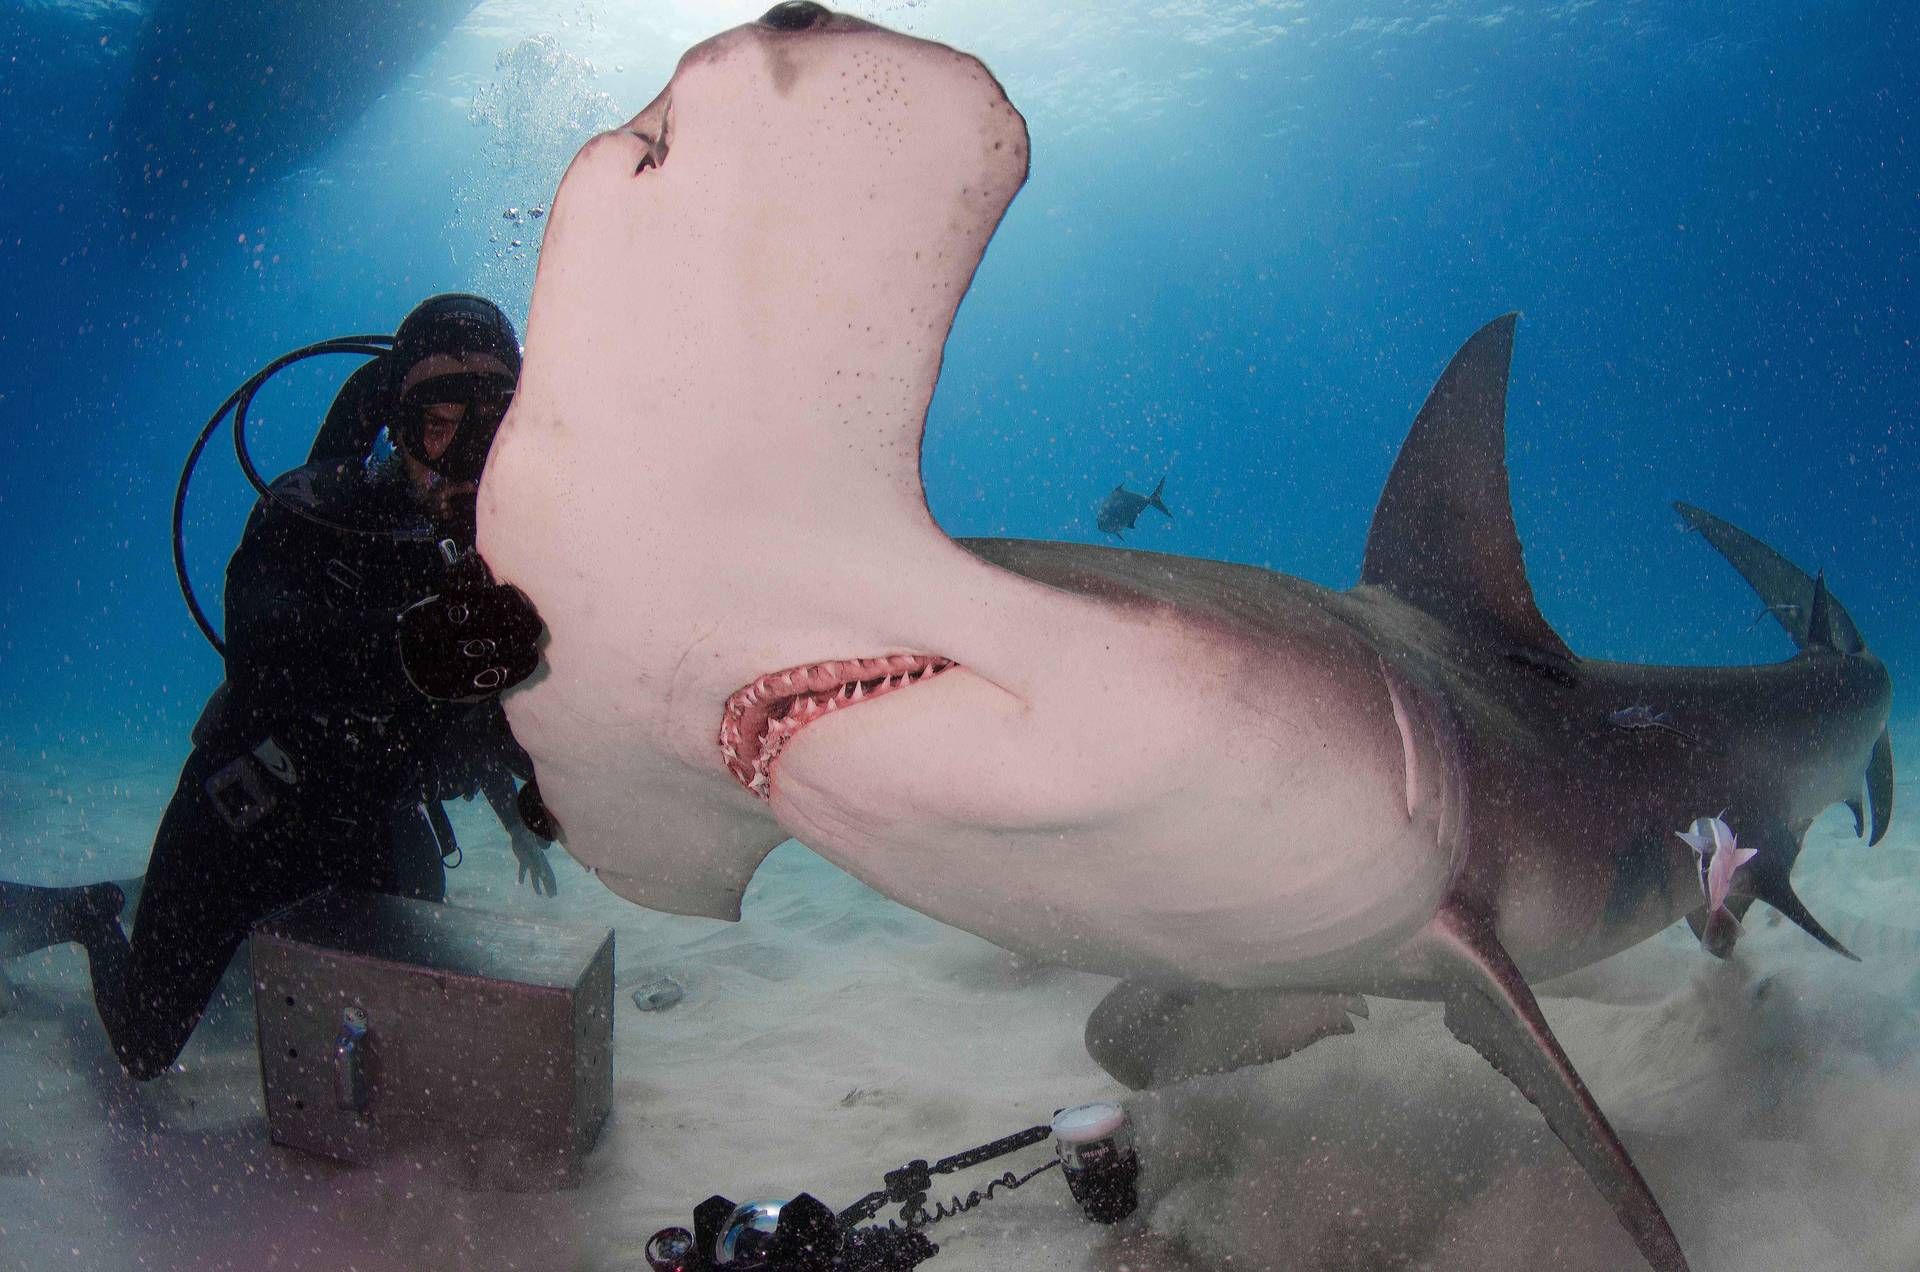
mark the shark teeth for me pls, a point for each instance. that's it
(759, 718)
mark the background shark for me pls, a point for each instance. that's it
(1249, 796)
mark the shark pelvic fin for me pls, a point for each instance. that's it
(1786, 589)
(1443, 536)
(1490, 1008)
(1146, 1036)
(1769, 877)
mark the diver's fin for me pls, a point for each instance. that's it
(1443, 536)
(1490, 1008)
(1146, 1036)
(1784, 587)
(32, 918)
(1880, 786)
(1153, 500)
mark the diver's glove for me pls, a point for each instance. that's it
(473, 640)
(531, 851)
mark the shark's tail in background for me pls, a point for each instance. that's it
(1814, 620)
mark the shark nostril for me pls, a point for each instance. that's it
(795, 15)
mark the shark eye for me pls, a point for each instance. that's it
(795, 15)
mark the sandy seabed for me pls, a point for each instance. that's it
(1772, 1101)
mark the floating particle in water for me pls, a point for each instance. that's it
(536, 212)
(511, 214)
(515, 243)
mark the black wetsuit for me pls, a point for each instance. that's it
(321, 766)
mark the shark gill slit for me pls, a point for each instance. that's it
(762, 716)
(1409, 750)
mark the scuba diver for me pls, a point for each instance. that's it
(322, 760)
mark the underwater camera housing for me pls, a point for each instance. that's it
(1093, 1146)
(801, 1235)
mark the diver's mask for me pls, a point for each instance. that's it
(485, 395)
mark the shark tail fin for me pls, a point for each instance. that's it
(1153, 500)
(1880, 786)
(1812, 617)
(1490, 1008)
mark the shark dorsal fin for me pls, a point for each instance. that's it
(1443, 536)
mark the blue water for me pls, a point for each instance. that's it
(1253, 234)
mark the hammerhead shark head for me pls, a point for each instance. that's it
(1249, 796)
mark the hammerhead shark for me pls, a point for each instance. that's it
(1250, 797)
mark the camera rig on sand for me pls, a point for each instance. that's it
(1093, 1146)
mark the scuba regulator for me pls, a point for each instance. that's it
(1093, 1147)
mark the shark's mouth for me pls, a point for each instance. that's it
(760, 718)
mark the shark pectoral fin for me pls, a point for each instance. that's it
(1858, 808)
(1490, 1008)
(1146, 1036)
(1880, 786)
